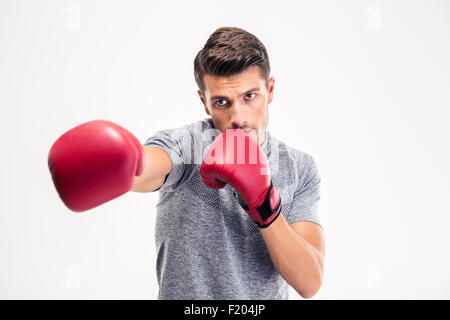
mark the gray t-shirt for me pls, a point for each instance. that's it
(207, 246)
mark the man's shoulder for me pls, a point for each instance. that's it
(294, 166)
(200, 125)
(191, 129)
(293, 152)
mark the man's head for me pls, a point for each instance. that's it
(232, 72)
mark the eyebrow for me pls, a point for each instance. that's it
(246, 92)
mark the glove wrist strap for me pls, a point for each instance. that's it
(268, 211)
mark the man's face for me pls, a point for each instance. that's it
(239, 101)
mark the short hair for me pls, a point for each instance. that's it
(229, 51)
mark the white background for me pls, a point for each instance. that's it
(363, 86)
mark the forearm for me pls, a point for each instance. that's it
(297, 261)
(157, 165)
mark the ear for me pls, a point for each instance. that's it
(271, 87)
(203, 101)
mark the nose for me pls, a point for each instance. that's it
(237, 116)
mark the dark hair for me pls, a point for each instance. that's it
(229, 51)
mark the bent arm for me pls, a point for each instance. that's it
(297, 251)
(157, 166)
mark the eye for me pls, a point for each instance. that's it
(221, 102)
(250, 95)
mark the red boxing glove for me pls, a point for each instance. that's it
(93, 163)
(237, 159)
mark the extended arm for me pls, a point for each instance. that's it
(157, 166)
(99, 160)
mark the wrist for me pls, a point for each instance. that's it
(266, 212)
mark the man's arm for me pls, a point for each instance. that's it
(157, 166)
(297, 250)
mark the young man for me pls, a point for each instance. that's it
(223, 230)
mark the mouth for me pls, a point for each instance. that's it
(248, 131)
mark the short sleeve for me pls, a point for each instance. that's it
(307, 194)
(176, 143)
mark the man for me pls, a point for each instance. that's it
(224, 230)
